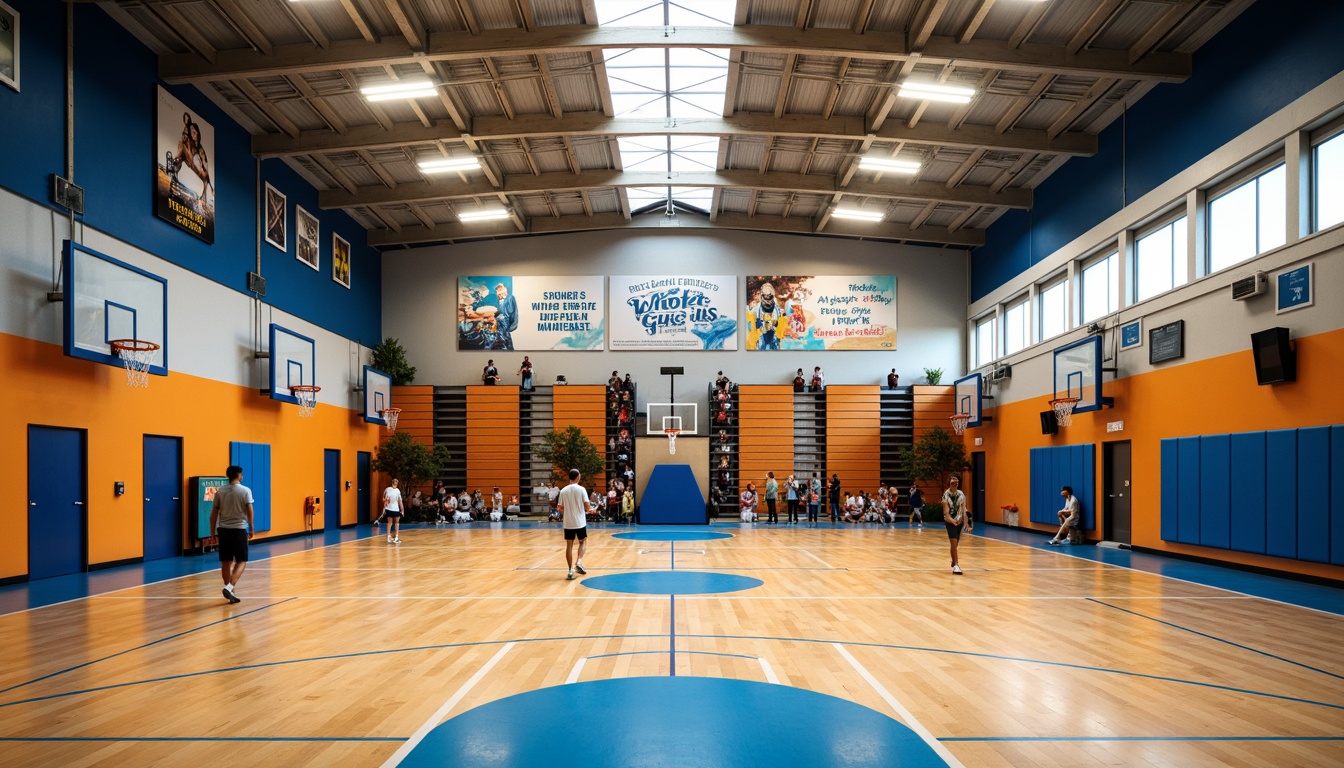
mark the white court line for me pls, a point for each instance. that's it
(576, 671)
(434, 719)
(837, 598)
(905, 714)
(770, 676)
(814, 557)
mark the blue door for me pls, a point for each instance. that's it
(362, 481)
(57, 523)
(331, 490)
(163, 496)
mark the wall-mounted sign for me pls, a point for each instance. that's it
(184, 182)
(1294, 289)
(1131, 335)
(1167, 342)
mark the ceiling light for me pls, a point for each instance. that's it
(483, 214)
(936, 92)
(857, 214)
(889, 165)
(404, 89)
(448, 164)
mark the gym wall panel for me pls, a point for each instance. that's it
(854, 436)
(584, 406)
(765, 434)
(1043, 507)
(492, 439)
(255, 459)
(417, 412)
(1281, 472)
(1187, 498)
(1248, 516)
(1313, 494)
(1215, 484)
(1337, 495)
(1054, 467)
(1171, 489)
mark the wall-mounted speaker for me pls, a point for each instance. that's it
(1275, 360)
(1049, 423)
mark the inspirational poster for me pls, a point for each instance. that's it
(673, 312)
(184, 186)
(530, 313)
(820, 312)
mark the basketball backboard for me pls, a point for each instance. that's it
(293, 363)
(106, 300)
(377, 395)
(1078, 373)
(967, 392)
(664, 416)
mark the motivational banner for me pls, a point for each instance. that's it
(672, 312)
(184, 181)
(821, 312)
(530, 313)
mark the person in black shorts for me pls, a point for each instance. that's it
(231, 520)
(956, 516)
(573, 504)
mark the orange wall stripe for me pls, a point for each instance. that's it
(492, 439)
(765, 435)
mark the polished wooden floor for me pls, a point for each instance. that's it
(338, 656)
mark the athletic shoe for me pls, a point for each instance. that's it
(570, 576)
(1065, 543)
(232, 598)
(956, 569)
(389, 539)
(581, 569)
(1053, 542)
(396, 541)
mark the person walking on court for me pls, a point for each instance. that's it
(835, 497)
(231, 520)
(1069, 516)
(392, 507)
(916, 506)
(771, 496)
(573, 504)
(956, 516)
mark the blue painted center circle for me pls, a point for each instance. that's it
(672, 583)
(672, 535)
(688, 722)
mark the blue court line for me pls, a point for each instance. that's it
(1141, 738)
(1214, 637)
(672, 626)
(139, 647)
(691, 653)
(674, 555)
(21, 739)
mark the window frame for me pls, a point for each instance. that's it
(1181, 255)
(1327, 134)
(1024, 302)
(990, 319)
(1250, 175)
(1113, 298)
(1042, 288)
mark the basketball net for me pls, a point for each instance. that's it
(672, 440)
(959, 422)
(390, 416)
(137, 356)
(1064, 410)
(307, 396)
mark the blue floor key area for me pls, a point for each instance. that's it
(686, 722)
(665, 535)
(672, 583)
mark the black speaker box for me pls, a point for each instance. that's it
(1275, 360)
(1049, 423)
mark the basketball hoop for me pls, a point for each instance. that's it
(959, 422)
(390, 416)
(1064, 410)
(671, 433)
(137, 356)
(307, 395)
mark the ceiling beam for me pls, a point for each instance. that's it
(886, 46)
(741, 124)
(418, 235)
(519, 184)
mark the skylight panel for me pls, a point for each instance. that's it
(658, 13)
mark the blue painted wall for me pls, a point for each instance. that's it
(115, 79)
(1052, 468)
(1264, 59)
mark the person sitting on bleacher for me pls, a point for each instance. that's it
(876, 512)
(854, 508)
(798, 381)
(477, 505)
(463, 513)
(747, 502)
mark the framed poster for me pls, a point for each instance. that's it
(821, 312)
(9, 46)
(1131, 335)
(340, 260)
(184, 187)
(1294, 289)
(1167, 342)
(673, 312)
(306, 229)
(277, 214)
(556, 312)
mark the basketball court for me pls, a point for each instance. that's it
(845, 645)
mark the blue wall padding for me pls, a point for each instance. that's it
(1171, 488)
(1337, 495)
(255, 459)
(1056, 466)
(1313, 494)
(1215, 487)
(1248, 492)
(1187, 511)
(1281, 479)
(672, 497)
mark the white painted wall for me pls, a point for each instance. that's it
(420, 300)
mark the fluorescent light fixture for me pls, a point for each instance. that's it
(448, 164)
(483, 214)
(858, 214)
(889, 165)
(404, 89)
(936, 92)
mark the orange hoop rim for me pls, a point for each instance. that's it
(132, 345)
(386, 411)
(1071, 400)
(305, 388)
(672, 431)
(961, 416)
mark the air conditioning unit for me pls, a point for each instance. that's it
(1251, 285)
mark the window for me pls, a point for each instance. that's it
(1329, 171)
(1248, 220)
(984, 342)
(1159, 263)
(1016, 332)
(1054, 309)
(1101, 288)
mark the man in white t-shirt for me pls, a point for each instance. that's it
(392, 511)
(573, 504)
(1069, 516)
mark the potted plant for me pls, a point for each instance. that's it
(570, 449)
(390, 358)
(410, 462)
(934, 375)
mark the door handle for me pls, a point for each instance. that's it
(32, 503)
(177, 498)
(146, 498)
(79, 503)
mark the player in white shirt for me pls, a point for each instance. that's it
(1069, 516)
(392, 506)
(573, 504)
